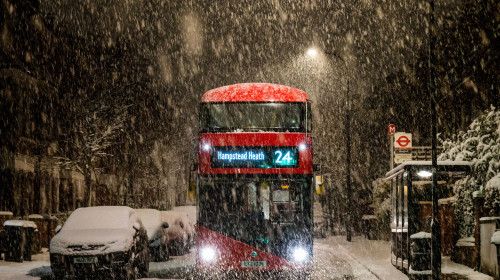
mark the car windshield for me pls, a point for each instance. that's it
(253, 116)
(97, 218)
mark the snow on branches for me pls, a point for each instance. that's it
(480, 145)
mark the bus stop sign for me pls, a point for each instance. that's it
(391, 129)
(402, 147)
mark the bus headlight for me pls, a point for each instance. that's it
(206, 147)
(300, 254)
(207, 254)
(302, 146)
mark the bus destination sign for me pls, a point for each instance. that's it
(254, 157)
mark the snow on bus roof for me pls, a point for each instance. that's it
(425, 163)
(255, 92)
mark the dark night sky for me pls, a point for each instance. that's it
(229, 40)
(188, 47)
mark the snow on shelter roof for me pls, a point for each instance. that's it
(255, 92)
(443, 164)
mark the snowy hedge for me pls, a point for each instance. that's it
(382, 205)
(480, 145)
(464, 206)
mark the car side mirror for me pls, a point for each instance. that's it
(164, 225)
(137, 226)
(58, 228)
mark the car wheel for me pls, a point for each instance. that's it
(143, 267)
(176, 248)
(181, 248)
(166, 253)
(157, 254)
(162, 254)
(129, 273)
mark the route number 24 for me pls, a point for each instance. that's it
(283, 159)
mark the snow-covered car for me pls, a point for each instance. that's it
(157, 233)
(105, 241)
(178, 231)
(190, 229)
(190, 212)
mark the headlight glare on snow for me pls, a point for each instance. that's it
(300, 254)
(207, 254)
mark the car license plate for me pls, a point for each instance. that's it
(85, 260)
(253, 263)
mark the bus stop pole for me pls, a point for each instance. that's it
(391, 164)
(435, 227)
(348, 163)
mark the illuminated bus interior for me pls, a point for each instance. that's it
(261, 212)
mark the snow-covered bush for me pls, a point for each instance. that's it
(492, 195)
(464, 206)
(382, 205)
(480, 145)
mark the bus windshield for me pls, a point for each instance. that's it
(254, 116)
(252, 207)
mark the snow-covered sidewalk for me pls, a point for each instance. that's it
(374, 255)
(38, 268)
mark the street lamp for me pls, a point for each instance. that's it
(312, 52)
(435, 225)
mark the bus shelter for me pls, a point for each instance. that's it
(411, 205)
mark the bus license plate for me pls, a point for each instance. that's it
(85, 260)
(253, 263)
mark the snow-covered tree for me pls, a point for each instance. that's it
(96, 130)
(480, 145)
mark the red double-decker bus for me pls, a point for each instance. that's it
(255, 180)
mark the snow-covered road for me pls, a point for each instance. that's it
(333, 259)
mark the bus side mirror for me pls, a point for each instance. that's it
(194, 167)
(316, 167)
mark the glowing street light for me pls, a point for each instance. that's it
(312, 52)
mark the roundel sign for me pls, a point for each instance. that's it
(402, 140)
